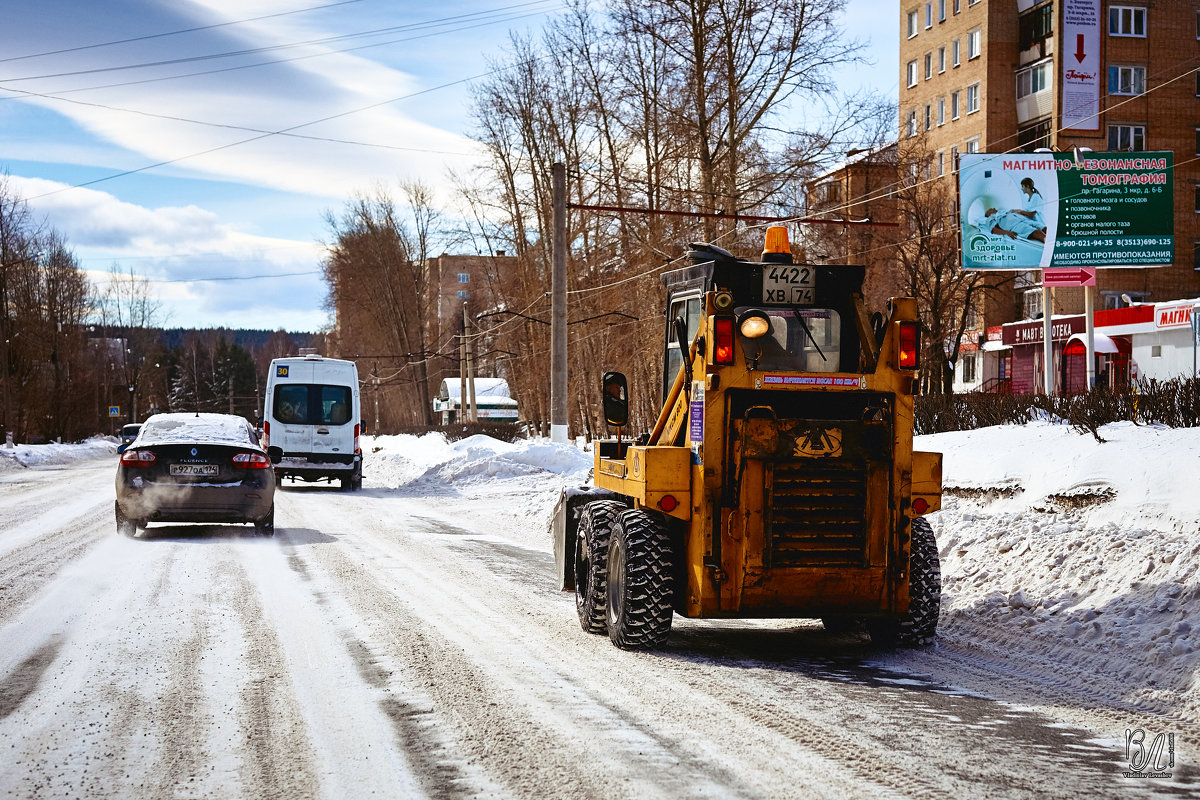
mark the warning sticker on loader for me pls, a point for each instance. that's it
(696, 414)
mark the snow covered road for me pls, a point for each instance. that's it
(408, 641)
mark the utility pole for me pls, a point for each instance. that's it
(558, 307)
(470, 365)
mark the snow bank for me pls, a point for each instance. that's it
(32, 455)
(1074, 557)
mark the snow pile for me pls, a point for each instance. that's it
(1069, 556)
(431, 463)
(32, 455)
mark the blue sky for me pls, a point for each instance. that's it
(91, 90)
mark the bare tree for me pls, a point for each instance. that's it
(130, 310)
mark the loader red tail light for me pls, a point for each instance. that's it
(668, 503)
(723, 346)
(909, 345)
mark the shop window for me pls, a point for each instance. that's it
(969, 374)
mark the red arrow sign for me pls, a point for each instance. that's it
(1079, 54)
(1069, 276)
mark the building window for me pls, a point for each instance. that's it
(464, 277)
(928, 66)
(1198, 141)
(941, 162)
(928, 15)
(957, 6)
(954, 157)
(954, 105)
(1197, 83)
(832, 192)
(912, 74)
(954, 49)
(972, 145)
(1034, 136)
(912, 24)
(1198, 199)
(910, 124)
(968, 368)
(1196, 254)
(974, 41)
(1033, 79)
(1126, 137)
(942, 112)
(1036, 27)
(972, 98)
(462, 294)
(1156, 351)
(942, 60)
(1031, 303)
(928, 116)
(941, 10)
(1126, 80)
(1126, 21)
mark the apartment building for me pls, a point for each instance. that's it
(994, 76)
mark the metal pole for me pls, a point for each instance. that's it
(1088, 307)
(558, 308)
(1047, 344)
(470, 365)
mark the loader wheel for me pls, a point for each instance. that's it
(917, 627)
(640, 583)
(596, 525)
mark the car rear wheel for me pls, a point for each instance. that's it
(125, 525)
(266, 525)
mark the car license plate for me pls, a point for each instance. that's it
(787, 284)
(193, 469)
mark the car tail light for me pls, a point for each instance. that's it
(909, 345)
(357, 427)
(251, 461)
(723, 349)
(137, 458)
(266, 433)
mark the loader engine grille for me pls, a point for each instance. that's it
(816, 513)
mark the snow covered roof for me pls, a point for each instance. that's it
(484, 387)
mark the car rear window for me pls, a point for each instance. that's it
(198, 428)
(311, 404)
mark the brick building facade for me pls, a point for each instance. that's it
(989, 76)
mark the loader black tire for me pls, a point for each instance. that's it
(597, 521)
(640, 582)
(918, 626)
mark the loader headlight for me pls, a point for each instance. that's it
(753, 324)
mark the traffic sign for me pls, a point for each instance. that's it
(114, 411)
(1069, 276)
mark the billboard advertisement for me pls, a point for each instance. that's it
(1081, 65)
(1039, 210)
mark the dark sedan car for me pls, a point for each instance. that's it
(196, 468)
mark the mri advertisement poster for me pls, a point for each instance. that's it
(1038, 210)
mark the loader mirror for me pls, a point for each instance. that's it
(616, 399)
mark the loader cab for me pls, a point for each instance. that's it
(687, 305)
